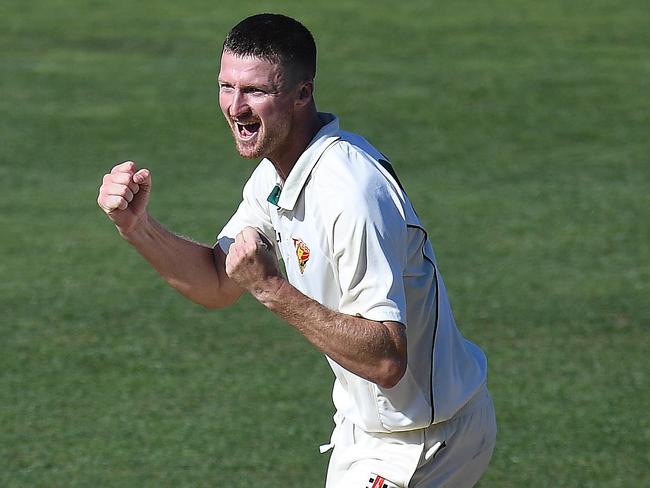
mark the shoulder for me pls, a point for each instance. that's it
(351, 185)
(353, 148)
(264, 171)
(261, 180)
(354, 171)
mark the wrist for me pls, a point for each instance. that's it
(138, 229)
(269, 291)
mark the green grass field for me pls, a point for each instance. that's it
(520, 130)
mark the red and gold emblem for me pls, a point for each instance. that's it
(302, 252)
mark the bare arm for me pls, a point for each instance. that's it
(372, 350)
(195, 270)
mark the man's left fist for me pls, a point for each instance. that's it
(251, 260)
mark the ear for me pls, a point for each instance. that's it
(305, 93)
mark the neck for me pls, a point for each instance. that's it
(304, 131)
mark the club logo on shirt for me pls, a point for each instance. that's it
(302, 252)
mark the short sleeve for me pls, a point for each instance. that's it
(253, 211)
(369, 249)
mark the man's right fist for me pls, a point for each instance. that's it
(124, 195)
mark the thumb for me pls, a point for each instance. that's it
(256, 235)
(143, 179)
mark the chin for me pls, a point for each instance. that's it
(249, 153)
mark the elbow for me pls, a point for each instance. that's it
(215, 303)
(391, 372)
(208, 299)
(392, 367)
(210, 305)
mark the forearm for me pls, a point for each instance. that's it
(190, 267)
(375, 351)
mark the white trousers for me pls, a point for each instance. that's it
(451, 454)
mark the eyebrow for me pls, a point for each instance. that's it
(269, 87)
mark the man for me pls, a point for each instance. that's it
(361, 284)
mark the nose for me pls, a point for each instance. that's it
(238, 105)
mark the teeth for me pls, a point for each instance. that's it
(247, 130)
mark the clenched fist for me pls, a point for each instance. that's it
(251, 261)
(124, 195)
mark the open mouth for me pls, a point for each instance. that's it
(246, 131)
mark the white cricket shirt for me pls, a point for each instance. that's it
(351, 240)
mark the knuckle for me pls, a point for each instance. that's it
(122, 178)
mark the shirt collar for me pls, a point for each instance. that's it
(300, 172)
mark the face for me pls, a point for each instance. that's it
(257, 104)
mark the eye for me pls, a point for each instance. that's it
(256, 91)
